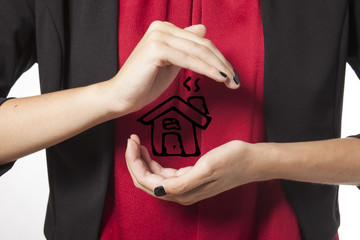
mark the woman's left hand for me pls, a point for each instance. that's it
(225, 167)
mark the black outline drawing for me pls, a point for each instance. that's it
(185, 84)
(194, 119)
(197, 88)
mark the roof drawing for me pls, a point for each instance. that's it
(170, 105)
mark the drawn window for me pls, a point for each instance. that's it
(171, 123)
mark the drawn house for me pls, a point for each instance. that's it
(173, 126)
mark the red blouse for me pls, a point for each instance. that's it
(192, 117)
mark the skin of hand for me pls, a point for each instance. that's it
(157, 59)
(221, 169)
(236, 163)
(151, 67)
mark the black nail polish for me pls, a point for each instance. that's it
(159, 191)
(223, 74)
(236, 78)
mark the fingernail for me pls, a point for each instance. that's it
(223, 74)
(236, 78)
(159, 191)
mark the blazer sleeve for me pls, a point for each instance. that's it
(17, 46)
(354, 36)
(354, 39)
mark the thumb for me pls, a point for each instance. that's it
(192, 178)
(198, 29)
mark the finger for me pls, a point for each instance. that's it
(198, 29)
(139, 186)
(199, 51)
(169, 55)
(135, 138)
(195, 177)
(131, 153)
(162, 30)
(155, 167)
(193, 35)
(183, 170)
(207, 190)
(139, 170)
(197, 194)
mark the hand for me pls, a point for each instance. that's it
(225, 167)
(157, 59)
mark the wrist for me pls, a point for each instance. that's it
(108, 100)
(266, 161)
(293, 161)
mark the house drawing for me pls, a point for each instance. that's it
(173, 126)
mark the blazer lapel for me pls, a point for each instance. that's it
(77, 46)
(305, 53)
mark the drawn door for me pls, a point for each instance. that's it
(172, 144)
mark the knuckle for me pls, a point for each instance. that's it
(140, 182)
(137, 185)
(155, 47)
(185, 201)
(155, 35)
(189, 61)
(201, 48)
(208, 43)
(156, 25)
(239, 145)
(180, 188)
(208, 170)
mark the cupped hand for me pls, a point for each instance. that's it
(157, 59)
(223, 168)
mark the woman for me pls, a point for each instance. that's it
(305, 48)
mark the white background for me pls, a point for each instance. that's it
(24, 189)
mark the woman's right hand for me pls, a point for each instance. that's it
(157, 59)
(30, 124)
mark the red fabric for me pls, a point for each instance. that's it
(253, 211)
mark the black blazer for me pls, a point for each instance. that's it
(307, 44)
